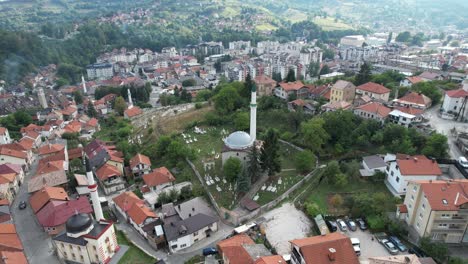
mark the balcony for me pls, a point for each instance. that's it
(451, 220)
(450, 229)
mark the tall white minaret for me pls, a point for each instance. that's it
(92, 186)
(42, 98)
(85, 91)
(130, 101)
(253, 113)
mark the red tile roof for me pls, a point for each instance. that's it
(75, 153)
(2, 130)
(50, 148)
(263, 79)
(4, 202)
(418, 165)
(414, 79)
(375, 108)
(12, 257)
(9, 240)
(106, 171)
(232, 249)
(298, 102)
(134, 111)
(158, 176)
(275, 259)
(415, 98)
(402, 208)
(373, 88)
(316, 250)
(409, 110)
(45, 166)
(126, 200)
(457, 93)
(139, 212)
(454, 192)
(56, 213)
(27, 143)
(139, 159)
(12, 153)
(46, 194)
(291, 86)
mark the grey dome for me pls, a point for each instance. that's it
(78, 223)
(238, 140)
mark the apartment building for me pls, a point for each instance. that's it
(342, 91)
(437, 209)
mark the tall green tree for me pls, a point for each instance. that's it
(291, 77)
(78, 97)
(313, 69)
(325, 70)
(253, 165)
(243, 182)
(364, 74)
(227, 100)
(248, 85)
(91, 112)
(314, 134)
(242, 121)
(269, 156)
(436, 146)
(305, 161)
(120, 105)
(231, 169)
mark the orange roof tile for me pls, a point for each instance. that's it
(12, 257)
(275, 259)
(50, 148)
(414, 79)
(316, 249)
(454, 192)
(27, 143)
(263, 79)
(106, 171)
(375, 108)
(46, 166)
(9, 239)
(457, 93)
(373, 88)
(418, 165)
(402, 208)
(139, 212)
(415, 98)
(291, 86)
(409, 110)
(139, 159)
(158, 176)
(12, 153)
(44, 195)
(134, 111)
(126, 200)
(232, 249)
(32, 134)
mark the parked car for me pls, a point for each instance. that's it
(342, 225)
(331, 226)
(210, 251)
(463, 162)
(390, 247)
(351, 224)
(418, 252)
(361, 223)
(22, 205)
(397, 243)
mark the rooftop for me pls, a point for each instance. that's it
(375, 108)
(139, 159)
(158, 176)
(374, 88)
(46, 194)
(445, 195)
(418, 165)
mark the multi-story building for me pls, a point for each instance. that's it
(140, 164)
(405, 168)
(437, 209)
(342, 91)
(4, 136)
(374, 91)
(265, 85)
(373, 110)
(296, 89)
(100, 71)
(455, 102)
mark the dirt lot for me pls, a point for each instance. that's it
(284, 224)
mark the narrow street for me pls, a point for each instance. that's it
(37, 244)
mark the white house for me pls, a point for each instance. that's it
(372, 164)
(140, 164)
(4, 136)
(159, 179)
(409, 168)
(401, 118)
(454, 101)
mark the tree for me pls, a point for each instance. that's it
(247, 87)
(243, 182)
(76, 165)
(22, 118)
(325, 70)
(332, 173)
(242, 121)
(91, 110)
(189, 82)
(276, 76)
(227, 100)
(364, 74)
(312, 209)
(253, 164)
(403, 37)
(305, 161)
(455, 43)
(120, 105)
(78, 97)
(291, 77)
(231, 169)
(438, 251)
(186, 96)
(429, 89)
(186, 193)
(336, 200)
(389, 39)
(436, 146)
(313, 69)
(314, 134)
(269, 156)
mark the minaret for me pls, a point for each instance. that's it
(130, 102)
(92, 186)
(253, 113)
(42, 98)
(84, 85)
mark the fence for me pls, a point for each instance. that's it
(459, 167)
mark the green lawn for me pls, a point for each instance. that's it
(133, 255)
(329, 24)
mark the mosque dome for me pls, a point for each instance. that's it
(238, 140)
(78, 223)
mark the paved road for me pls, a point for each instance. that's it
(444, 126)
(37, 244)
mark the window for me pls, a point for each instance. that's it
(445, 216)
(96, 256)
(397, 179)
(443, 225)
(423, 206)
(195, 233)
(94, 247)
(70, 246)
(73, 256)
(417, 225)
(412, 197)
(420, 215)
(196, 240)
(82, 258)
(391, 173)
(410, 206)
(183, 245)
(397, 167)
(414, 188)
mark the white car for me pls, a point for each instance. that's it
(463, 162)
(342, 225)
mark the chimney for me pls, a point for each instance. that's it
(331, 254)
(178, 206)
(415, 159)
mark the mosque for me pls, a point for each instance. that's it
(238, 144)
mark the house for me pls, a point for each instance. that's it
(133, 112)
(405, 168)
(316, 92)
(265, 85)
(291, 89)
(158, 179)
(11, 248)
(241, 249)
(4, 136)
(415, 100)
(140, 215)
(110, 179)
(8, 155)
(11, 175)
(188, 223)
(437, 209)
(372, 164)
(373, 110)
(374, 91)
(51, 179)
(455, 102)
(408, 81)
(53, 149)
(140, 164)
(124, 201)
(45, 195)
(301, 105)
(342, 91)
(85, 240)
(5, 213)
(430, 76)
(53, 216)
(34, 136)
(81, 184)
(325, 249)
(405, 116)
(335, 106)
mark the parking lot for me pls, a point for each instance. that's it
(369, 248)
